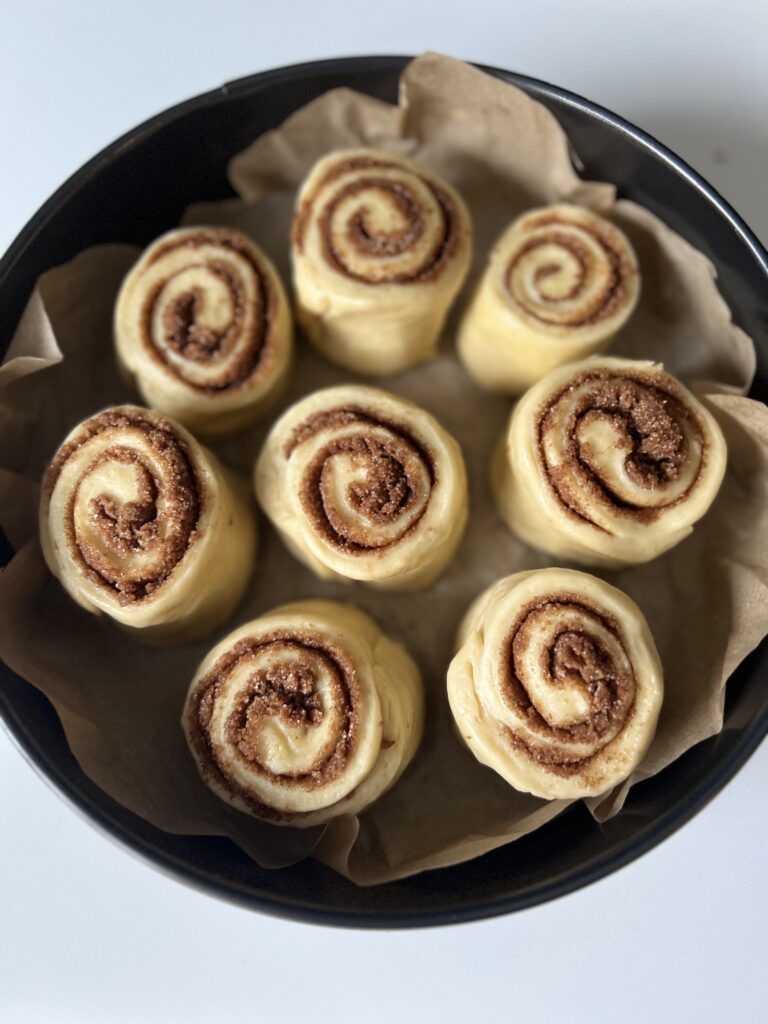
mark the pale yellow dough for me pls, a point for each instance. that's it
(203, 329)
(560, 282)
(380, 249)
(110, 532)
(556, 684)
(598, 480)
(364, 485)
(328, 713)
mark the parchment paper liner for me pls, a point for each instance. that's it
(120, 703)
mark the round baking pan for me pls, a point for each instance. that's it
(137, 188)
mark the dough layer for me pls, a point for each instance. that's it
(556, 683)
(560, 282)
(364, 485)
(608, 462)
(380, 249)
(304, 714)
(141, 523)
(203, 329)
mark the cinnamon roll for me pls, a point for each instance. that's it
(203, 329)
(364, 485)
(380, 247)
(608, 462)
(556, 685)
(560, 282)
(141, 523)
(304, 714)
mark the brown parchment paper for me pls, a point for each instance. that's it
(120, 703)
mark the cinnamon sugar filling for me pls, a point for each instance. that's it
(598, 306)
(139, 525)
(575, 658)
(387, 492)
(286, 690)
(649, 420)
(377, 244)
(188, 337)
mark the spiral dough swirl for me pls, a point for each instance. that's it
(286, 720)
(569, 268)
(140, 522)
(608, 461)
(203, 326)
(566, 678)
(556, 642)
(380, 248)
(560, 282)
(206, 267)
(380, 221)
(128, 548)
(356, 480)
(306, 684)
(616, 444)
(367, 484)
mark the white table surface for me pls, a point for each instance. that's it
(87, 932)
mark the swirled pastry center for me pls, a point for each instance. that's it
(568, 273)
(283, 707)
(207, 309)
(365, 483)
(380, 222)
(623, 444)
(133, 504)
(567, 681)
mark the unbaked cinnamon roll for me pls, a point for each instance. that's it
(560, 282)
(364, 485)
(203, 328)
(380, 247)
(141, 523)
(304, 714)
(608, 462)
(556, 685)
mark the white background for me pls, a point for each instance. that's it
(87, 933)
